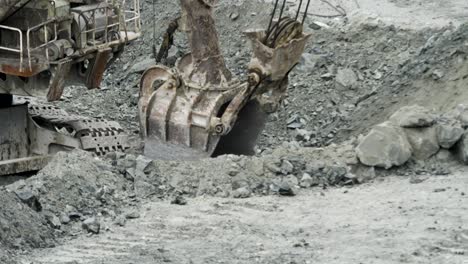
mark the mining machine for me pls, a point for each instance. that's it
(45, 45)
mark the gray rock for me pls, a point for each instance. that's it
(385, 146)
(462, 148)
(295, 125)
(28, 197)
(363, 173)
(303, 135)
(437, 74)
(460, 114)
(144, 189)
(445, 156)
(64, 219)
(120, 220)
(335, 174)
(423, 142)
(126, 161)
(141, 66)
(346, 78)
(273, 166)
(243, 192)
(315, 168)
(144, 165)
(307, 63)
(413, 116)
(430, 43)
(234, 169)
(416, 179)
(234, 16)
(291, 180)
(53, 221)
(91, 225)
(286, 167)
(448, 135)
(316, 25)
(285, 189)
(257, 167)
(308, 181)
(75, 215)
(130, 174)
(463, 117)
(132, 215)
(179, 200)
(327, 76)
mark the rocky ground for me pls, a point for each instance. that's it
(318, 191)
(372, 223)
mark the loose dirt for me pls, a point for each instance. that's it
(386, 221)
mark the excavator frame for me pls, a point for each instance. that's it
(45, 45)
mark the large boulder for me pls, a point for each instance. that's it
(385, 146)
(448, 135)
(413, 116)
(423, 141)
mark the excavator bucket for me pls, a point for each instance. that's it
(198, 109)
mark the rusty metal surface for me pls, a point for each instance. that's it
(275, 62)
(209, 67)
(12, 67)
(179, 115)
(96, 68)
(148, 82)
(57, 81)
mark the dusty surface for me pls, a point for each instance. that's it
(386, 221)
(410, 14)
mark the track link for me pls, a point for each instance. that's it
(96, 134)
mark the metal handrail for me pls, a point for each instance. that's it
(21, 49)
(134, 18)
(123, 21)
(28, 39)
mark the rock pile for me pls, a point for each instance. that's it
(414, 132)
(282, 171)
(74, 193)
(74, 185)
(20, 226)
